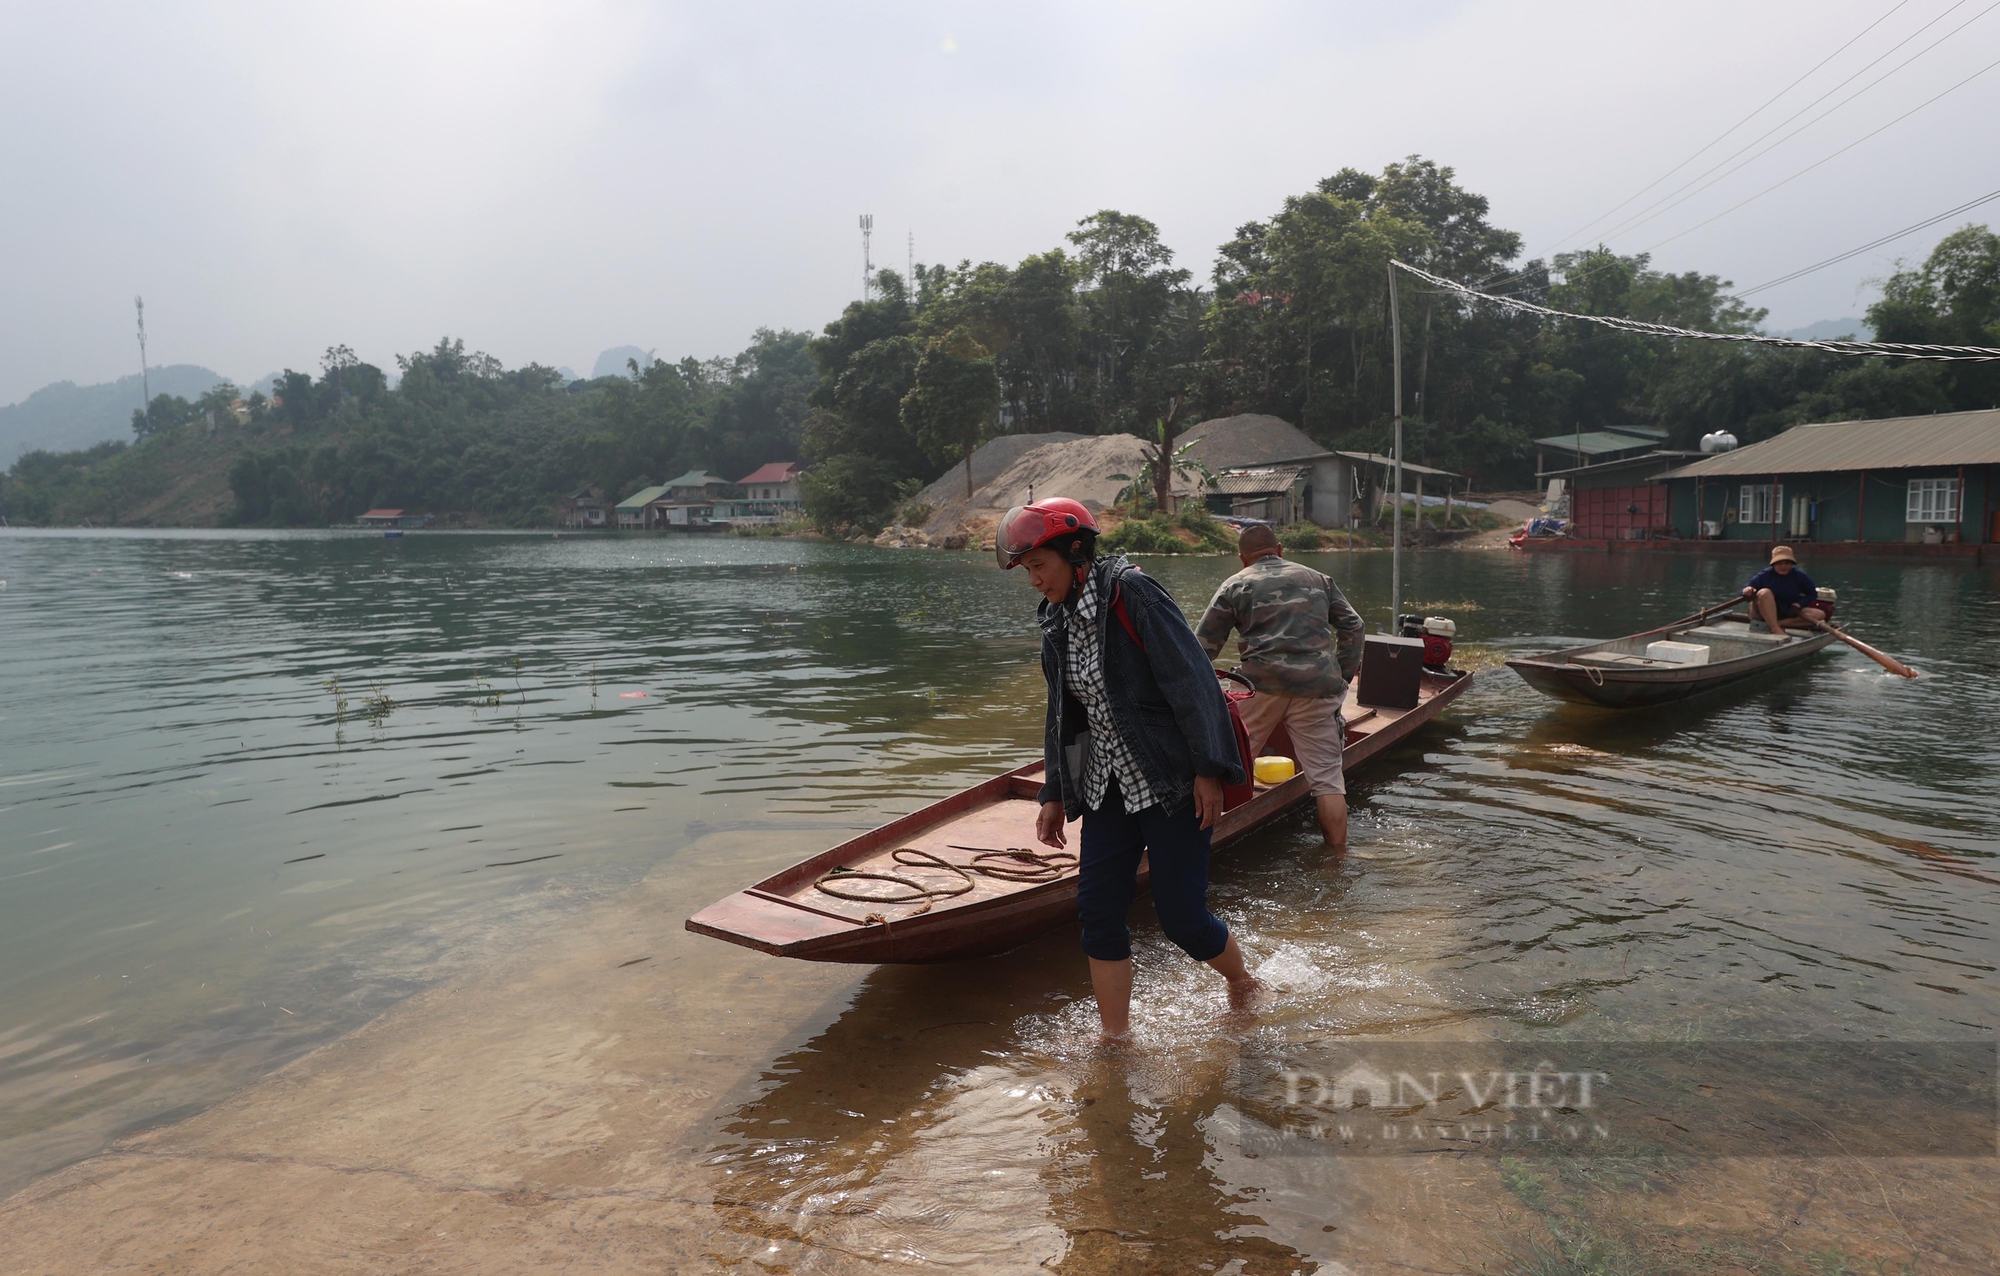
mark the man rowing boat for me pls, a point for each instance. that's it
(1783, 596)
(1136, 741)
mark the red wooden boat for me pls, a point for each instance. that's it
(791, 914)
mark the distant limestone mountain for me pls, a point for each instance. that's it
(612, 362)
(66, 416)
(1854, 329)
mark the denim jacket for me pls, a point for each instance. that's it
(1164, 698)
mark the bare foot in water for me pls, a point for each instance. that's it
(1245, 994)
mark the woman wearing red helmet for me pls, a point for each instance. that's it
(1137, 743)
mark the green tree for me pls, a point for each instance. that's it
(163, 413)
(1126, 307)
(955, 394)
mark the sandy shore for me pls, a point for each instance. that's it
(530, 1119)
(561, 1112)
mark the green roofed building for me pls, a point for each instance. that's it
(1910, 481)
(697, 485)
(1565, 452)
(632, 510)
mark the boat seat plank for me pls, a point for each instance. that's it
(1622, 660)
(1708, 632)
(747, 918)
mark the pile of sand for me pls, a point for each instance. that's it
(993, 456)
(1080, 469)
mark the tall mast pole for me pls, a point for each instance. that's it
(1396, 378)
(145, 382)
(867, 261)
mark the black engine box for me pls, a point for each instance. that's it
(1392, 672)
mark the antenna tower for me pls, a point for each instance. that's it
(910, 269)
(145, 383)
(867, 263)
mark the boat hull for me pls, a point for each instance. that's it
(784, 916)
(1572, 675)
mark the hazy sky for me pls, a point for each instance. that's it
(547, 180)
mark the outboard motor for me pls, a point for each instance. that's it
(1437, 633)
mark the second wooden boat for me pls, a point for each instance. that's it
(794, 914)
(1619, 675)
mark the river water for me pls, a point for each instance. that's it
(255, 788)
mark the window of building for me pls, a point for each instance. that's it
(1932, 500)
(1760, 503)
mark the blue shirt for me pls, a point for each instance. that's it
(1791, 589)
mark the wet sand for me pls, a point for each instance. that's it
(591, 1103)
(534, 1117)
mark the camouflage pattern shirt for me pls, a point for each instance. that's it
(1299, 636)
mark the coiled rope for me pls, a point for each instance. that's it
(1013, 864)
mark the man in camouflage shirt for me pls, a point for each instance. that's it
(1301, 642)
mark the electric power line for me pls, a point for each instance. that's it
(1670, 201)
(1882, 349)
(1835, 155)
(1871, 244)
(1717, 140)
(1591, 269)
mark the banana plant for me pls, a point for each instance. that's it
(1181, 465)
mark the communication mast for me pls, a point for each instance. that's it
(910, 269)
(867, 263)
(145, 384)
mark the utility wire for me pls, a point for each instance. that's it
(1842, 151)
(1670, 201)
(1885, 349)
(1613, 259)
(1718, 139)
(1871, 244)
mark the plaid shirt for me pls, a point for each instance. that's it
(1109, 754)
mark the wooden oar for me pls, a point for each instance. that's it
(1705, 612)
(1888, 662)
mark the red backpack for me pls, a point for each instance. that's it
(1232, 794)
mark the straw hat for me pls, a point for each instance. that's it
(1783, 554)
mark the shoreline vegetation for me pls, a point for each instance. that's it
(1103, 335)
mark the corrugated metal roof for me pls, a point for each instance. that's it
(638, 499)
(1409, 467)
(1656, 458)
(696, 478)
(1280, 478)
(771, 472)
(1900, 442)
(1596, 442)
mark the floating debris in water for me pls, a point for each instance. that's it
(631, 695)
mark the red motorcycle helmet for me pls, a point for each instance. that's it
(1058, 521)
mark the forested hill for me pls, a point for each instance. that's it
(66, 415)
(1100, 334)
(457, 435)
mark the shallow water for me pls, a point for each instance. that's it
(211, 860)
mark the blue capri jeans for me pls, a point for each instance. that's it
(1176, 847)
